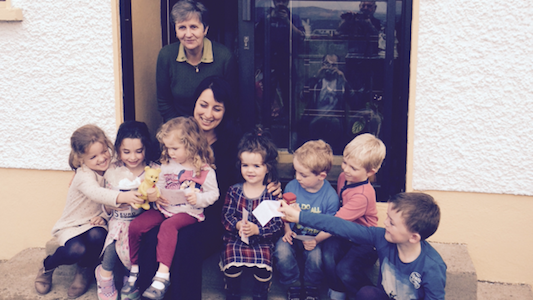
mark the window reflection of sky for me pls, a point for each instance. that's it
(381, 9)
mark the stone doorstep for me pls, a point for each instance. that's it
(461, 278)
(461, 281)
(17, 279)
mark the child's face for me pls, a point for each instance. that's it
(97, 158)
(307, 179)
(354, 172)
(131, 152)
(176, 149)
(395, 229)
(252, 168)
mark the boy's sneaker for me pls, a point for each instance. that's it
(294, 293)
(106, 287)
(311, 293)
(335, 295)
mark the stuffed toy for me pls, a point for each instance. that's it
(148, 189)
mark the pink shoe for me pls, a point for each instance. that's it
(106, 287)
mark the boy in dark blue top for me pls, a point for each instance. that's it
(410, 268)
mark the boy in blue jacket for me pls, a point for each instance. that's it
(410, 268)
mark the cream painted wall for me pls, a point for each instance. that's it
(146, 27)
(30, 211)
(497, 230)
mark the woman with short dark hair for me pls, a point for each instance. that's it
(181, 66)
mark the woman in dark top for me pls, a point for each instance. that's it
(215, 112)
(183, 65)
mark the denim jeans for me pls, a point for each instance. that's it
(345, 264)
(289, 258)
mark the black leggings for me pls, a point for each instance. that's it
(260, 274)
(83, 249)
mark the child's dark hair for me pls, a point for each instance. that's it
(420, 212)
(136, 130)
(82, 139)
(259, 141)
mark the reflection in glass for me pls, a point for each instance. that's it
(320, 69)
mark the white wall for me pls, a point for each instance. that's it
(474, 97)
(56, 74)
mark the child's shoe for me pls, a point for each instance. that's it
(155, 293)
(81, 282)
(335, 295)
(129, 290)
(233, 288)
(311, 293)
(294, 293)
(43, 281)
(106, 287)
(260, 290)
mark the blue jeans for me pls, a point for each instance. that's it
(288, 259)
(345, 264)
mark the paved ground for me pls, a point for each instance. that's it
(17, 276)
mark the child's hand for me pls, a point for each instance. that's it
(288, 236)
(249, 229)
(191, 197)
(130, 197)
(290, 213)
(274, 188)
(97, 221)
(309, 245)
(161, 201)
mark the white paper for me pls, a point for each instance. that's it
(126, 184)
(267, 210)
(304, 237)
(174, 197)
(244, 239)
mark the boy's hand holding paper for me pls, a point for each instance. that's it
(267, 210)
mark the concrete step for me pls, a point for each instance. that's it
(461, 278)
(17, 277)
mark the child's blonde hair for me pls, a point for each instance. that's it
(187, 131)
(316, 156)
(82, 139)
(368, 150)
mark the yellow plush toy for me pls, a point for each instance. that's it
(148, 189)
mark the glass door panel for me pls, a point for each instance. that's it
(327, 70)
(325, 62)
